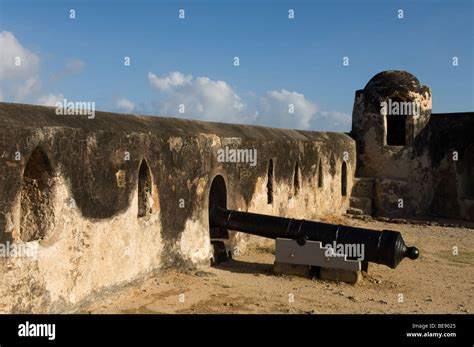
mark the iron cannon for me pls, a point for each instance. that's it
(385, 247)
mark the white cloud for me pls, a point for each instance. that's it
(202, 98)
(332, 121)
(18, 69)
(22, 90)
(174, 80)
(211, 100)
(72, 66)
(274, 109)
(125, 105)
(11, 53)
(22, 83)
(50, 99)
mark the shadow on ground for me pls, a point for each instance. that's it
(244, 267)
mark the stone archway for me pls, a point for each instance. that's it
(218, 198)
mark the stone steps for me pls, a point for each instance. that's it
(362, 204)
(363, 187)
(354, 211)
(361, 201)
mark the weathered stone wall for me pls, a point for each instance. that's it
(94, 238)
(70, 186)
(450, 142)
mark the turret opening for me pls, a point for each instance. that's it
(396, 123)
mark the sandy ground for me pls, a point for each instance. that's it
(438, 282)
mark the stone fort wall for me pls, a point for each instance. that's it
(109, 200)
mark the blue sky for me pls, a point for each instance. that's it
(282, 61)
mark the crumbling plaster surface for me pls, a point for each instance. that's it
(311, 202)
(79, 257)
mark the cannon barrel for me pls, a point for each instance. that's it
(382, 247)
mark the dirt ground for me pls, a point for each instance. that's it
(438, 282)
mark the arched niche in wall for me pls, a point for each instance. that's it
(270, 182)
(145, 199)
(320, 174)
(296, 179)
(36, 200)
(344, 179)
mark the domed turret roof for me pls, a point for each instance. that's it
(393, 78)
